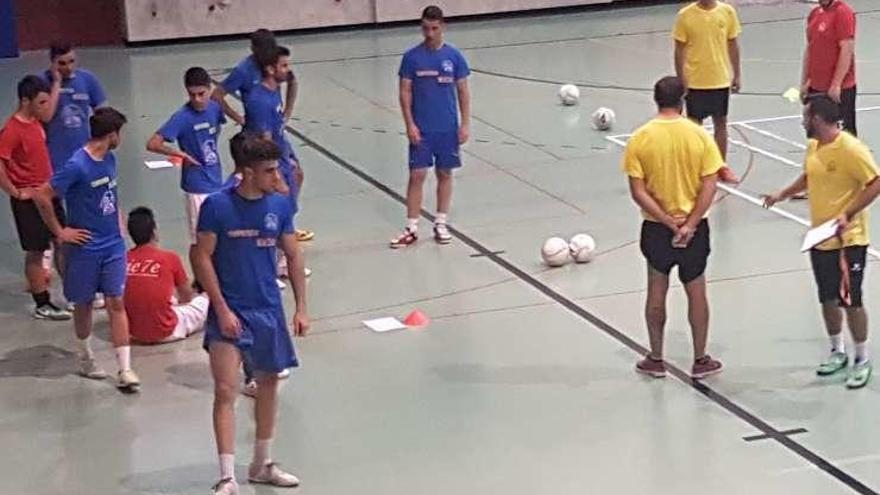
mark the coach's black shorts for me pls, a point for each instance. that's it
(33, 233)
(826, 269)
(656, 244)
(703, 103)
(847, 108)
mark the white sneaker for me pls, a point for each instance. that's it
(99, 302)
(249, 389)
(52, 313)
(281, 284)
(128, 381)
(226, 486)
(271, 474)
(90, 369)
(284, 374)
(441, 233)
(308, 272)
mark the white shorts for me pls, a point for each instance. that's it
(193, 205)
(190, 318)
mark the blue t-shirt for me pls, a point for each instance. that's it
(196, 133)
(89, 191)
(248, 232)
(69, 128)
(434, 74)
(243, 78)
(264, 112)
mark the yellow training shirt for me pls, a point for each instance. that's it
(705, 34)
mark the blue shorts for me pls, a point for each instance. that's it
(90, 272)
(440, 149)
(264, 342)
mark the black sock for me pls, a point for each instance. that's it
(42, 298)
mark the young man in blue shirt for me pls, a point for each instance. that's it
(95, 258)
(195, 127)
(433, 79)
(239, 231)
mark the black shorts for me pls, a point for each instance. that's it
(656, 245)
(703, 103)
(826, 269)
(33, 233)
(847, 108)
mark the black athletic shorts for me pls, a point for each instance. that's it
(656, 245)
(847, 108)
(33, 233)
(826, 269)
(703, 103)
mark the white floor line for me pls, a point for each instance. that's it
(752, 199)
(792, 117)
(760, 151)
(798, 145)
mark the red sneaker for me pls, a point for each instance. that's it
(405, 239)
(727, 176)
(652, 367)
(705, 366)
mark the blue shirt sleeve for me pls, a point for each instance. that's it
(171, 130)
(407, 67)
(208, 219)
(461, 67)
(287, 226)
(66, 177)
(258, 114)
(97, 97)
(235, 80)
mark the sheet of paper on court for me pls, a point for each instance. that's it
(384, 324)
(819, 235)
(157, 164)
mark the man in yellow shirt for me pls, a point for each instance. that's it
(706, 37)
(672, 164)
(841, 177)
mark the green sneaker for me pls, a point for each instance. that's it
(836, 361)
(860, 375)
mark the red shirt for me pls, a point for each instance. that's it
(825, 30)
(153, 274)
(23, 147)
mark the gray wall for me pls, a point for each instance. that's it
(148, 20)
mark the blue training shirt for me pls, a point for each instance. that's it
(248, 232)
(69, 128)
(264, 112)
(434, 74)
(196, 134)
(243, 78)
(89, 190)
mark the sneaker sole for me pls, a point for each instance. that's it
(93, 377)
(442, 241)
(129, 389)
(705, 374)
(269, 483)
(831, 373)
(652, 374)
(860, 385)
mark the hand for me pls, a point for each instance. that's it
(56, 74)
(281, 186)
(78, 237)
(842, 223)
(736, 84)
(684, 236)
(230, 326)
(414, 135)
(300, 324)
(24, 194)
(834, 93)
(772, 199)
(464, 133)
(805, 91)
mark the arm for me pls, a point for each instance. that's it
(649, 204)
(844, 63)
(290, 97)
(42, 197)
(733, 50)
(805, 74)
(680, 54)
(796, 187)
(865, 198)
(203, 266)
(156, 144)
(704, 201)
(55, 93)
(464, 105)
(219, 95)
(412, 130)
(184, 293)
(7, 185)
(296, 274)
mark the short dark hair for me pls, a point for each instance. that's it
(271, 57)
(823, 107)
(106, 120)
(196, 76)
(235, 145)
(59, 48)
(30, 86)
(255, 149)
(262, 40)
(432, 13)
(141, 225)
(669, 92)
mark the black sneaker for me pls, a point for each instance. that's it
(52, 313)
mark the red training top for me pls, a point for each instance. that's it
(23, 147)
(153, 274)
(825, 30)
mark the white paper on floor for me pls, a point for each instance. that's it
(384, 324)
(157, 164)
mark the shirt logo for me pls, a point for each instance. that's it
(271, 222)
(427, 73)
(100, 182)
(209, 151)
(242, 233)
(146, 268)
(72, 116)
(108, 203)
(447, 66)
(81, 96)
(203, 125)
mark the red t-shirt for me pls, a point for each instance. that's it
(825, 30)
(153, 274)
(23, 147)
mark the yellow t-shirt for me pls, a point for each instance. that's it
(706, 33)
(672, 156)
(836, 173)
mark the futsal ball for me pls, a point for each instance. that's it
(569, 94)
(603, 119)
(582, 248)
(555, 251)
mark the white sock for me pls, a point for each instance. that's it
(123, 357)
(412, 224)
(440, 218)
(84, 347)
(837, 343)
(227, 466)
(261, 452)
(861, 352)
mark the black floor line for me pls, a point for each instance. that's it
(716, 397)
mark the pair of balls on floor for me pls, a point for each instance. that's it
(603, 118)
(557, 252)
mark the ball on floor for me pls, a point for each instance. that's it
(555, 252)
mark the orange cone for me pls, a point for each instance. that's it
(416, 319)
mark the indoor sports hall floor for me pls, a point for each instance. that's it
(523, 382)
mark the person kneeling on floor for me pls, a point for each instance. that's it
(153, 276)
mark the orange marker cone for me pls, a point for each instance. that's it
(416, 319)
